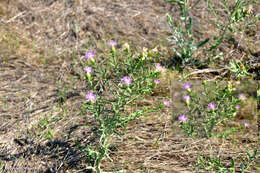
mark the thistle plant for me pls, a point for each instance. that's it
(216, 164)
(236, 13)
(205, 114)
(90, 56)
(238, 68)
(182, 34)
(125, 80)
(238, 17)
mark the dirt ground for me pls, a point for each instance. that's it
(38, 41)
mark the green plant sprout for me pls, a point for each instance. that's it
(238, 68)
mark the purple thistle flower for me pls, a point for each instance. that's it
(242, 97)
(211, 106)
(126, 80)
(90, 55)
(166, 103)
(187, 99)
(182, 118)
(247, 125)
(88, 69)
(187, 87)
(112, 43)
(156, 81)
(237, 107)
(159, 68)
(90, 97)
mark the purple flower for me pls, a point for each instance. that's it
(166, 103)
(89, 55)
(156, 81)
(247, 125)
(88, 69)
(187, 99)
(126, 80)
(182, 118)
(187, 87)
(211, 106)
(159, 68)
(90, 97)
(112, 43)
(237, 107)
(242, 97)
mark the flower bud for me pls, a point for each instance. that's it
(126, 47)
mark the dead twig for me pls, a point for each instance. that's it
(206, 71)
(15, 17)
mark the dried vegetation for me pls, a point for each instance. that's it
(38, 41)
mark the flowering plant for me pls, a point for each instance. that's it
(204, 114)
(125, 81)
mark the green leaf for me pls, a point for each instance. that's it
(241, 166)
(196, 3)
(169, 20)
(117, 133)
(230, 29)
(172, 1)
(232, 163)
(202, 43)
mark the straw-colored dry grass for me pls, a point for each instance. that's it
(39, 39)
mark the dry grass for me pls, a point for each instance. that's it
(39, 40)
